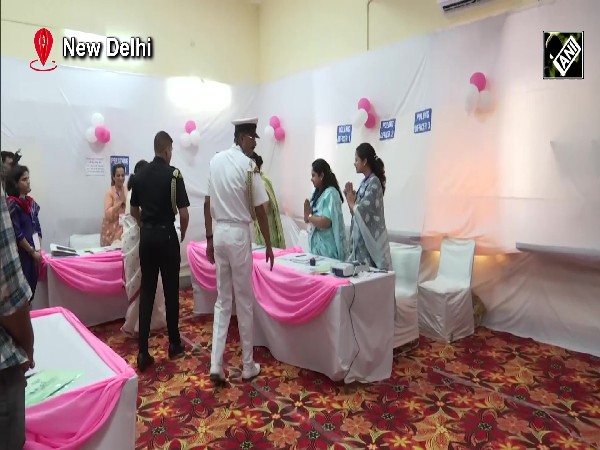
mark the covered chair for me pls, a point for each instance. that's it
(445, 305)
(406, 261)
(303, 241)
(84, 241)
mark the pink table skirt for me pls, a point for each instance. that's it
(287, 295)
(67, 421)
(101, 273)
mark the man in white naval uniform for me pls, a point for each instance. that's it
(236, 196)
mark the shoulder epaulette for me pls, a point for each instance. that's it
(177, 174)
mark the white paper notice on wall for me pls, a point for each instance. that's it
(94, 167)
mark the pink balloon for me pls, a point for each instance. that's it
(279, 134)
(365, 104)
(99, 132)
(190, 126)
(478, 79)
(275, 122)
(371, 120)
(102, 134)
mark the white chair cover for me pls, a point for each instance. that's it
(291, 231)
(84, 241)
(303, 241)
(406, 261)
(445, 304)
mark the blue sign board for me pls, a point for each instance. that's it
(423, 121)
(344, 134)
(120, 160)
(387, 129)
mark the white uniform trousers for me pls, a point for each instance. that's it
(233, 260)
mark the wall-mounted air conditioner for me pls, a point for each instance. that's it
(453, 5)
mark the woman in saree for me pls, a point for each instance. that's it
(114, 207)
(24, 213)
(369, 242)
(133, 274)
(323, 213)
(275, 227)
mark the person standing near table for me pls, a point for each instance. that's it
(236, 197)
(159, 190)
(16, 334)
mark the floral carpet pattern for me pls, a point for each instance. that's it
(491, 391)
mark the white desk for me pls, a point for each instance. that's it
(59, 346)
(351, 340)
(92, 309)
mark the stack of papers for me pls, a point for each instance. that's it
(95, 250)
(304, 258)
(59, 250)
(46, 383)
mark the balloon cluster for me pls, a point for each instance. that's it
(365, 116)
(478, 98)
(98, 131)
(274, 130)
(191, 135)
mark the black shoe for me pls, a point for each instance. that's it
(218, 378)
(176, 350)
(144, 360)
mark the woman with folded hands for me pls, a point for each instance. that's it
(369, 242)
(323, 214)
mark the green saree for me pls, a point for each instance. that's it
(275, 227)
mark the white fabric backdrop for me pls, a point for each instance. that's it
(528, 171)
(46, 115)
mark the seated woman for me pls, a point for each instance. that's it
(133, 273)
(114, 207)
(326, 233)
(275, 227)
(369, 242)
(24, 212)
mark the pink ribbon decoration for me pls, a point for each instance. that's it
(69, 420)
(293, 297)
(285, 294)
(101, 273)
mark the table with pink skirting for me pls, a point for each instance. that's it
(91, 286)
(340, 327)
(97, 411)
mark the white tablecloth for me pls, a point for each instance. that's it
(91, 309)
(59, 346)
(352, 340)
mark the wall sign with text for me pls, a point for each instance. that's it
(387, 129)
(423, 121)
(120, 160)
(344, 134)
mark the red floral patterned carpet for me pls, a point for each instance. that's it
(489, 391)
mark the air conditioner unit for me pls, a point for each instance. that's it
(453, 5)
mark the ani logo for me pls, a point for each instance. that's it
(563, 55)
(43, 44)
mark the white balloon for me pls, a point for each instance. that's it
(97, 119)
(472, 98)
(186, 140)
(485, 101)
(90, 135)
(360, 118)
(269, 132)
(195, 137)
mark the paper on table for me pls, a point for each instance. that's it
(37, 244)
(45, 383)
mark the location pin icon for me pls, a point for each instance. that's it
(43, 44)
